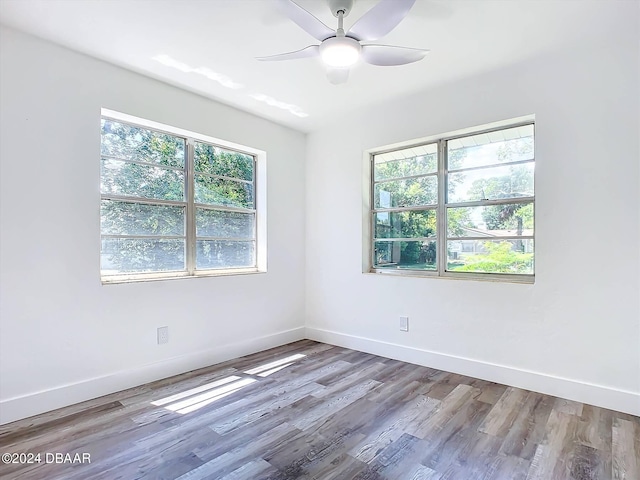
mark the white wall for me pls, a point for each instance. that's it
(574, 333)
(63, 336)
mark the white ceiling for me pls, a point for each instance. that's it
(222, 37)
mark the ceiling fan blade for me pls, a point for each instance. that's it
(337, 75)
(388, 55)
(310, 51)
(306, 20)
(381, 19)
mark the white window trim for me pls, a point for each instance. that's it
(441, 235)
(260, 199)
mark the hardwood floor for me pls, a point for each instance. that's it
(312, 411)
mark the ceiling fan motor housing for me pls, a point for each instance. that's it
(340, 5)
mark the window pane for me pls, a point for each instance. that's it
(491, 220)
(123, 178)
(412, 223)
(218, 191)
(404, 163)
(491, 183)
(134, 143)
(217, 161)
(508, 145)
(218, 223)
(490, 256)
(128, 255)
(414, 255)
(224, 254)
(406, 193)
(123, 218)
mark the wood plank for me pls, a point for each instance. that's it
(401, 459)
(265, 407)
(339, 401)
(568, 406)
(457, 433)
(142, 463)
(444, 384)
(447, 408)
(624, 450)
(394, 427)
(51, 423)
(550, 460)
(507, 467)
(234, 459)
(254, 470)
(491, 393)
(239, 437)
(360, 416)
(309, 456)
(594, 427)
(528, 429)
(409, 379)
(504, 413)
(464, 451)
(587, 464)
(345, 382)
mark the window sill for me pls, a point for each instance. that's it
(480, 277)
(156, 277)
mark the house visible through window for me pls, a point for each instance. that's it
(174, 205)
(456, 206)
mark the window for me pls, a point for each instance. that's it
(174, 204)
(456, 206)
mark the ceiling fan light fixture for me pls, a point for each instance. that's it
(340, 52)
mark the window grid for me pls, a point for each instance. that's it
(188, 204)
(442, 207)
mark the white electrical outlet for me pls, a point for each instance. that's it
(404, 324)
(163, 335)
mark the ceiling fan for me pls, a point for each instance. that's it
(338, 49)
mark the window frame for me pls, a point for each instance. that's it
(441, 238)
(189, 204)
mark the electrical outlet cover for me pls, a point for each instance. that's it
(404, 324)
(163, 335)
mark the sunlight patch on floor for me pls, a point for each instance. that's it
(271, 365)
(198, 397)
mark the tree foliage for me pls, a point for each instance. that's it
(150, 165)
(518, 182)
(210, 160)
(499, 257)
(406, 224)
(495, 182)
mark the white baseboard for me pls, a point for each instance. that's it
(24, 406)
(598, 395)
